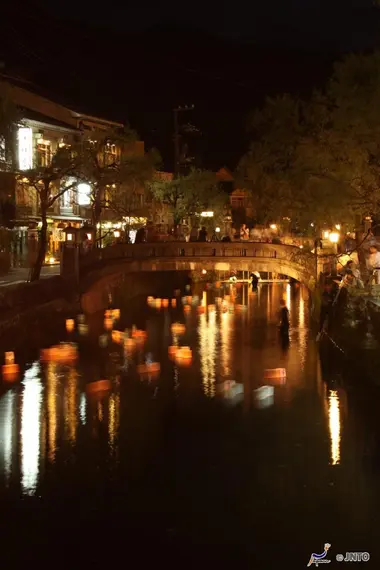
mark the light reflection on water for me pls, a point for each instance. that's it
(230, 346)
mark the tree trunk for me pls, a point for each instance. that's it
(42, 246)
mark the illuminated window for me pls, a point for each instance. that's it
(43, 153)
(111, 154)
(84, 194)
(25, 148)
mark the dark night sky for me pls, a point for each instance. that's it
(349, 24)
(127, 63)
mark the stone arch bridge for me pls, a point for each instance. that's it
(182, 256)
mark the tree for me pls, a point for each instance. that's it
(50, 183)
(189, 195)
(105, 156)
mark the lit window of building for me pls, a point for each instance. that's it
(111, 154)
(25, 148)
(43, 153)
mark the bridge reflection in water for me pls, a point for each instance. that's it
(170, 446)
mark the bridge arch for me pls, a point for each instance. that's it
(178, 256)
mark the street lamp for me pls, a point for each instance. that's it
(217, 230)
(334, 237)
(207, 214)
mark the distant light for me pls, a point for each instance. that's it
(337, 226)
(89, 237)
(116, 233)
(52, 260)
(326, 234)
(301, 246)
(334, 237)
(25, 148)
(312, 225)
(84, 194)
(204, 271)
(207, 214)
(273, 227)
(217, 230)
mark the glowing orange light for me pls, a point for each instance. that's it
(70, 324)
(165, 303)
(174, 303)
(178, 328)
(98, 386)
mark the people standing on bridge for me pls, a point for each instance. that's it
(203, 234)
(284, 319)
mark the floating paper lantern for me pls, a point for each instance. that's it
(139, 334)
(165, 303)
(108, 323)
(184, 356)
(174, 303)
(10, 370)
(178, 328)
(82, 329)
(98, 386)
(117, 336)
(115, 314)
(129, 344)
(60, 353)
(103, 340)
(70, 324)
(275, 375)
(172, 351)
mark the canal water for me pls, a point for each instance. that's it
(207, 462)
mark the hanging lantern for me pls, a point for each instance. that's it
(178, 329)
(165, 303)
(60, 353)
(158, 303)
(70, 324)
(174, 303)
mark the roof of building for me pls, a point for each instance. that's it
(40, 118)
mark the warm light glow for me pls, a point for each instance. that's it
(9, 357)
(326, 234)
(334, 426)
(84, 194)
(337, 226)
(113, 418)
(70, 324)
(69, 237)
(116, 233)
(207, 332)
(334, 237)
(89, 236)
(217, 230)
(204, 271)
(273, 227)
(51, 260)
(7, 430)
(52, 395)
(25, 148)
(31, 429)
(207, 214)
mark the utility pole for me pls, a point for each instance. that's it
(176, 112)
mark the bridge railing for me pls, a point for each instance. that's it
(178, 250)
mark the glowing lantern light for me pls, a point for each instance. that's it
(187, 309)
(10, 369)
(211, 308)
(115, 313)
(117, 337)
(218, 284)
(149, 369)
(82, 329)
(165, 303)
(158, 303)
(60, 353)
(178, 329)
(129, 344)
(98, 386)
(204, 271)
(108, 314)
(200, 310)
(172, 351)
(174, 303)
(189, 299)
(108, 323)
(184, 356)
(70, 324)
(103, 340)
(150, 300)
(275, 375)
